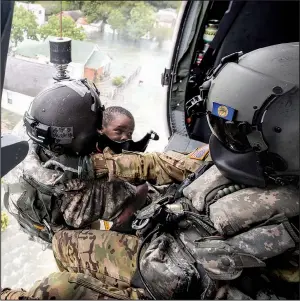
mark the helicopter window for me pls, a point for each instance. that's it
(256, 25)
(9, 97)
(121, 46)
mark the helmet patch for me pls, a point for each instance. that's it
(223, 111)
(62, 135)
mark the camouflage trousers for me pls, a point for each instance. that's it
(106, 255)
(94, 265)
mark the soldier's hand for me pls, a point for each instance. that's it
(64, 162)
(99, 165)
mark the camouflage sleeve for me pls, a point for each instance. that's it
(84, 202)
(156, 168)
(73, 286)
(16, 294)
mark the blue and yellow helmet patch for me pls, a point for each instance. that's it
(223, 111)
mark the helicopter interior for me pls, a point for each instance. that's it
(242, 26)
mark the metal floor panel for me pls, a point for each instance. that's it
(182, 143)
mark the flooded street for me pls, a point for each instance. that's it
(24, 261)
(147, 100)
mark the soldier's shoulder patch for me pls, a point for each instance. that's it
(200, 153)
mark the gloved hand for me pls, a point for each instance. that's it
(86, 168)
(82, 167)
(65, 163)
(153, 135)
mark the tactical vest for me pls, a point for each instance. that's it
(212, 235)
(31, 194)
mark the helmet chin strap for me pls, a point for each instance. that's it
(283, 180)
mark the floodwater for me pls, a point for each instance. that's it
(147, 100)
(23, 261)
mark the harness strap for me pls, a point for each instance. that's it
(6, 198)
(22, 217)
(293, 232)
(15, 187)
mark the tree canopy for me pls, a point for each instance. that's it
(69, 28)
(165, 4)
(24, 25)
(74, 4)
(131, 18)
(141, 21)
(117, 21)
(161, 34)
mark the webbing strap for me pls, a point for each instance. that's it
(15, 187)
(6, 202)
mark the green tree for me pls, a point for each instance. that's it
(54, 7)
(99, 10)
(24, 25)
(51, 7)
(118, 81)
(117, 21)
(75, 5)
(69, 29)
(165, 4)
(161, 34)
(141, 21)
(108, 10)
(131, 18)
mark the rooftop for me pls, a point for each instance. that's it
(26, 77)
(82, 21)
(81, 51)
(165, 15)
(95, 60)
(74, 14)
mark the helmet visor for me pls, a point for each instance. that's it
(231, 134)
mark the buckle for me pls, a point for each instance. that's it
(139, 224)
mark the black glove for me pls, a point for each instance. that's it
(86, 168)
(80, 167)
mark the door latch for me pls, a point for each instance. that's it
(166, 77)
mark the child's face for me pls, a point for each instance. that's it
(119, 129)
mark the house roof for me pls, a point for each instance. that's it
(166, 16)
(26, 77)
(82, 21)
(74, 14)
(95, 60)
(81, 50)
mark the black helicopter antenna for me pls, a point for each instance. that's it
(60, 53)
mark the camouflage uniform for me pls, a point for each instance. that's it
(94, 265)
(250, 226)
(156, 168)
(249, 229)
(90, 260)
(82, 202)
